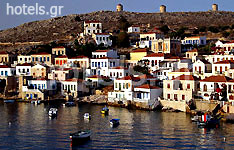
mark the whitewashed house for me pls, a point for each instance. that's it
(147, 94)
(222, 67)
(147, 38)
(21, 59)
(105, 53)
(6, 71)
(23, 69)
(79, 61)
(91, 27)
(102, 38)
(153, 60)
(226, 45)
(195, 40)
(211, 87)
(134, 29)
(118, 72)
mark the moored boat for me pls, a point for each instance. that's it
(80, 136)
(105, 110)
(114, 122)
(70, 103)
(53, 112)
(9, 101)
(208, 121)
(87, 116)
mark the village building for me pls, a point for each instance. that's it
(39, 71)
(222, 67)
(6, 58)
(105, 53)
(179, 72)
(42, 58)
(102, 38)
(23, 69)
(6, 71)
(74, 87)
(92, 27)
(195, 40)
(226, 45)
(153, 60)
(21, 59)
(211, 87)
(39, 89)
(79, 61)
(61, 61)
(61, 74)
(58, 51)
(118, 72)
(202, 68)
(134, 29)
(192, 54)
(167, 46)
(147, 38)
(182, 88)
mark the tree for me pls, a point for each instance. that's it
(225, 34)
(77, 18)
(123, 39)
(202, 29)
(164, 29)
(213, 29)
(123, 24)
(141, 69)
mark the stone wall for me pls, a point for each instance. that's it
(177, 105)
(205, 105)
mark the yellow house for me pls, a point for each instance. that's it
(192, 54)
(60, 50)
(167, 45)
(39, 71)
(41, 58)
(138, 54)
(6, 58)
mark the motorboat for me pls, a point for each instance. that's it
(53, 112)
(87, 116)
(9, 101)
(70, 103)
(105, 110)
(114, 122)
(80, 136)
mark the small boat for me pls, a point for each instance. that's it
(9, 101)
(105, 110)
(80, 136)
(114, 122)
(209, 121)
(53, 112)
(87, 116)
(195, 118)
(70, 103)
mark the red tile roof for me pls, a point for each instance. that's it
(130, 77)
(216, 79)
(186, 77)
(225, 62)
(120, 67)
(64, 56)
(147, 86)
(155, 55)
(102, 51)
(4, 66)
(25, 64)
(193, 50)
(59, 47)
(139, 50)
(182, 70)
(3, 52)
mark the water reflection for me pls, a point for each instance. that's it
(31, 128)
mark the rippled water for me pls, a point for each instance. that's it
(31, 128)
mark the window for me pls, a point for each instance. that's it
(225, 68)
(127, 85)
(92, 64)
(116, 85)
(36, 59)
(215, 68)
(6, 73)
(175, 97)
(168, 96)
(33, 59)
(183, 97)
(2, 73)
(188, 86)
(48, 58)
(168, 86)
(40, 59)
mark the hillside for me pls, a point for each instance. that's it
(63, 27)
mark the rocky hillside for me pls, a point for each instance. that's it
(63, 27)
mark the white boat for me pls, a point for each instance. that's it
(114, 122)
(53, 112)
(9, 101)
(87, 116)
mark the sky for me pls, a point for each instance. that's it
(16, 16)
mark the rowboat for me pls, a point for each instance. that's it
(87, 116)
(105, 110)
(80, 137)
(114, 122)
(53, 112)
